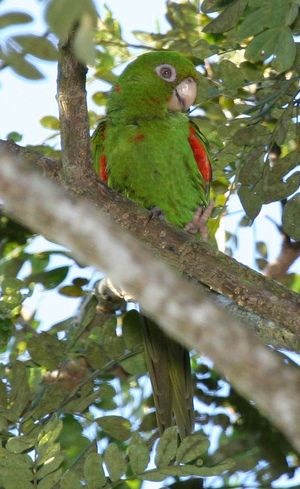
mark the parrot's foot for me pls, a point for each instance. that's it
(199, 222)
(156, 213)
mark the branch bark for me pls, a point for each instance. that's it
(257, 372)
(271, 309)
(77, 165)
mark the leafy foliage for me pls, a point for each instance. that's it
(74, 402)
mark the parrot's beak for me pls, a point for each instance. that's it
(184, 95)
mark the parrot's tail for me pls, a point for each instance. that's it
(169, 367)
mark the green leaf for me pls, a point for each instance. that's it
(50, 480)
(49, 400)
(208, 6)
(252, 168)
(249, 70)
(277, 41)
(186, 470)
(166, 447)
(250, 200)
(93, 471)
(135, 364)
(285, 52)
(191, 448)
(46, 350)
(262, 249)
(203, 49)
(295, 282)
(263, 45)
(283, 125)
(39, 261)
(71, 291)
(113, 345)
(84, 47)
(3, 395)
(50, 122)
(50, 431)
(19, 444)
(89, 313)
(227, 19)
(139, 454)
(12, 296)
(231, 75)
(80, 281)
(261, 263)
(15, 470)
(280, 190)
(50, 278)
(114, 462)
(38, 46)
(274, 13)
(14, 481)
(290, 219)
(131, 330)
(14, 136)
(284, 166)
(46, 453)
(20, 392)
(116, 426)
(96, 357)
(70, 481)
(100, 98)
(13, 18)
(50, 466)
(252, 136)
(22, 67)
(252, 24)
(62, 15)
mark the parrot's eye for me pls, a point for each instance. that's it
(166, 72)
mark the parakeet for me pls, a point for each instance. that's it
(148, 150)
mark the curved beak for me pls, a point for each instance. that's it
(184, 95)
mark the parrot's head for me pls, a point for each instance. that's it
(153, 84)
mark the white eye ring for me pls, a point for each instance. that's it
(166, 72)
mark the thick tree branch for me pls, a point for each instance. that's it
(49, 167)
(248, 289)
(257, 372)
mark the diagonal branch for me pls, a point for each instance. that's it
(276, 307)
(257, 372)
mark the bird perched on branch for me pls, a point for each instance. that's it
(150, 151)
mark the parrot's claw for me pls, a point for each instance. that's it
(199, 222)
(156, 213)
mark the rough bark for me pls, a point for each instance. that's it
(77, 165)
(275, 304)
(257, 372)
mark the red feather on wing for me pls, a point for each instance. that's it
(200, 155)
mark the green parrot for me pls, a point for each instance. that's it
(151, 152)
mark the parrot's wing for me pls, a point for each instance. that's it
(98, 150)
(155, 344)
(199, 145)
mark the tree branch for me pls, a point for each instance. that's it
(274, 308)
(257, 372)
(74, 124)
(289, 253)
